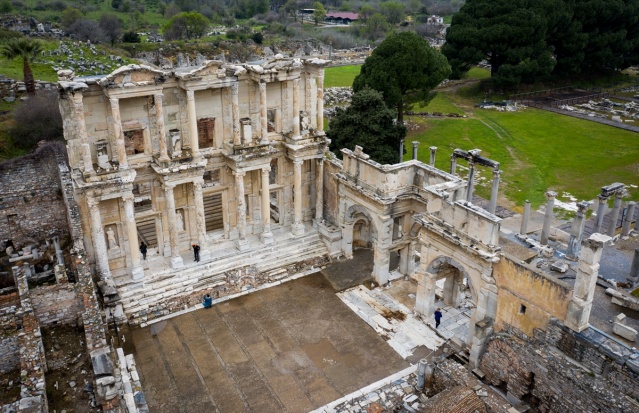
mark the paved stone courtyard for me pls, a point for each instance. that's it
(291, 348)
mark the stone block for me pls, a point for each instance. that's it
(102, 364)
(624, 331)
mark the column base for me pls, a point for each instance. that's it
(205, 255)
(297, 229)
(137, 273)
(317, 222)
(242, 244)
(176, 262)
(267, 238)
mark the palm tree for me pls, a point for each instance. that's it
(26, 49)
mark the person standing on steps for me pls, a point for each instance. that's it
(196, 252)
(438, 317)
(143, 249)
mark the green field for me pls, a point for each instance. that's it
(537, 150)
(340, 76)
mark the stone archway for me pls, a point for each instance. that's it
(362, 234)
(358, 230)
(454, 274)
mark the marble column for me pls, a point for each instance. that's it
(627, 220)
(548, 217)
(137, 273)
(415, 145)
(58, 251)
(601, 212)
(296, 108)
(453, 164)
(577, 231)
(381, 262)
(242, 242)
(159, 125)
(85, 150)
(492, 207)
(120, 150)
(319, 190)
(235, 108)
(267, 236)
(169, 203)
(614, 215)
(200, 220)
(471, 178)
(99, 242)
(425, 300)
(523, 230)
(263, 113)
(193, 135)
(298, 226)
(433, 151)
(320, 101)
(308, 104)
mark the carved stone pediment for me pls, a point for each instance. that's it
(211, 68)
(133, 75)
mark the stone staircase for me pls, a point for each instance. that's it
(162, 284)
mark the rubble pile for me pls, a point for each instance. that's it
(601, 108)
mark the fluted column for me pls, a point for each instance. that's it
(190, 107)
(97, 236)
(433, 152)
(614, 215)
(120, 150)
(235, 105)
(453, 164)
(308, 104)
(298, 227)
(169, 201)
(296, 108)
(492, 207)
(267, 236)
(471, 183)
(577, 231)
(627, 221)
(320, 101)
(200, 220)
(242, 243)
(319, 189)
(601, 212)
(263, 116)
(85, 150)
(159, 125)
(137, 272)
(550, 205)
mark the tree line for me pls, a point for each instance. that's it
(527, 40)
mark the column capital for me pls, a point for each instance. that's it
(235, 87)
(602, 198)
(158, 96)
(190, 95)
(115, 102)
(582, 207)
(168, 186)
(93, 202)
(551, 195)
(128, 197)
(496, 173)
(298, 162)
(266, 170)
(198, 182)
(320, 160)
(238, 174)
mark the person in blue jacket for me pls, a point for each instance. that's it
(438, 317)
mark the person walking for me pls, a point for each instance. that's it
(143, 249)
(196, 252)
(438, 317)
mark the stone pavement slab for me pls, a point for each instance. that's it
(290, 348)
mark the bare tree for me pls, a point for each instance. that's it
(85, 29)
(111, 26)
(37, 119)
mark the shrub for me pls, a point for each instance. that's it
(37, 119)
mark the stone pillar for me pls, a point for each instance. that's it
(169, 203)
(193, 135)
(85, 150)
(627, 221)
(120, 150)
(242, 242)
(320, 101)
(492, 207)
(577, 231)
(453, 164)
(401, 151)
(137, 273)
(319, 189)
(159, 124)
(548, 217)
(58, 251)
(633, 278)
(425, 301)
(381, 262)
(267, 236)
(263, 115)
(433, 151)
(296, 108)
(614, 215)
(200, 221)
(523, 230)
(308, 105)
(235, 103)
(601, 211)
(471, 178)
(415, 144)
(585, 282)
(298, 227)
(99, 242)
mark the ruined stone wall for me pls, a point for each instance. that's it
(56, 304)
(537, 372)
(9, 346)
(331, 193)
(519, 291)
(31, 203)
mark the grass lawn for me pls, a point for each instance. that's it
(340, 76)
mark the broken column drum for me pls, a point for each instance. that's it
(548, 217)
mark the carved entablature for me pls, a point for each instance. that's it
(133, 76)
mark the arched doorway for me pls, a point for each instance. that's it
(362, 233)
